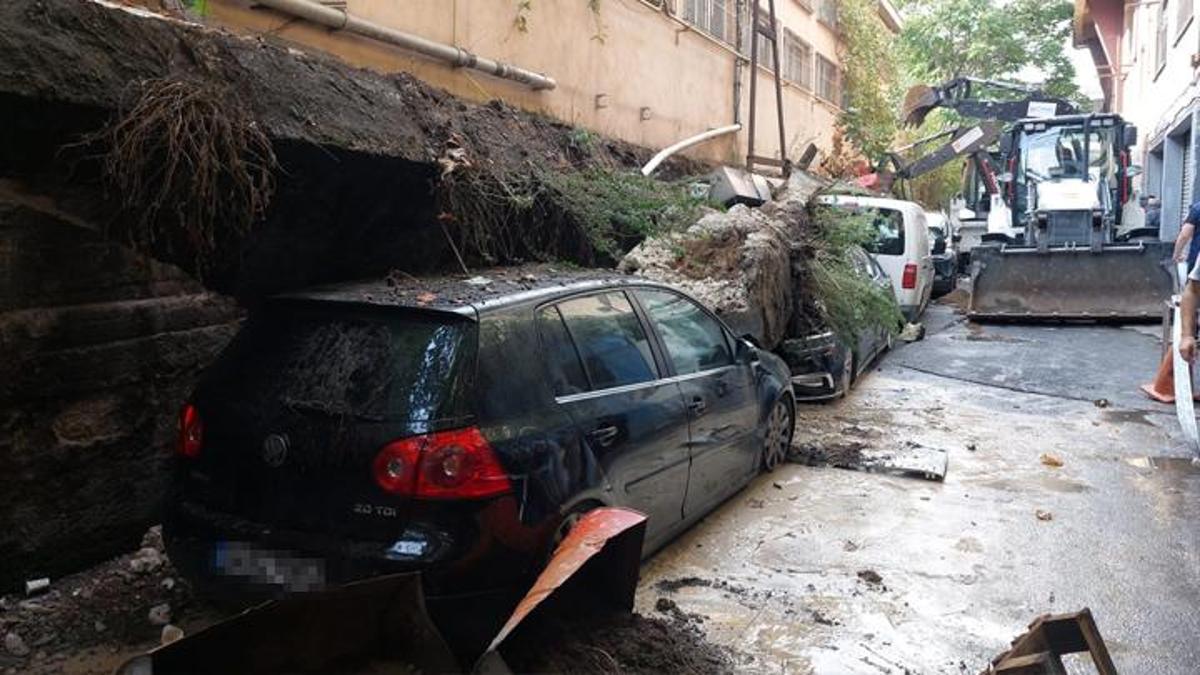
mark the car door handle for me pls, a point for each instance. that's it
(697, 406)
(604, 436)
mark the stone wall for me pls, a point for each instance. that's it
(99, 348)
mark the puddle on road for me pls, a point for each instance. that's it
(1127, 416)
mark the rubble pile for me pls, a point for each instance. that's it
(101, 616)
(738, 262)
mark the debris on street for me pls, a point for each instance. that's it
(1043, 515)
(909, 459)
(1050, 459)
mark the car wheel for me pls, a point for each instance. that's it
(780, 425)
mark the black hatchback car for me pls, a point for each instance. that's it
(457, 428)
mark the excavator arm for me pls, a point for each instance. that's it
(962, 95)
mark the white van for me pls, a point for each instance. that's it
(901, 247)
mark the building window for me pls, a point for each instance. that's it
(714, 17)
(1160, 47)
(797, 60)
(827, 80)
(765, 58)
(827, 13)
(1183, 16)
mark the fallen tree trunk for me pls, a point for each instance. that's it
(739, 262)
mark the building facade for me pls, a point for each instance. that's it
(651, 72)
(1147, 56)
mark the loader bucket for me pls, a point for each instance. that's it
(918, 101)
(1120, 282)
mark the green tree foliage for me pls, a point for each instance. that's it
(845, 301)
(944, 39)
(869, 57)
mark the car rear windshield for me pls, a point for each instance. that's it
(347, 362)
(888, 227)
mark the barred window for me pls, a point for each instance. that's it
(827, 13)
(1160, 48)
(797, 60)
(715, 17)
(827, 80)
(765, 58)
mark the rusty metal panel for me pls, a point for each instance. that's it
(615, 531)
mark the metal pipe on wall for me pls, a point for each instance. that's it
(687, 143)
(340, 19)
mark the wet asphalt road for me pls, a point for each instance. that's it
(783, 572)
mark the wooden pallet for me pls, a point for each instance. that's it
(1039, 650)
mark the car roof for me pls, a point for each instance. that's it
(878, 202)
(468, 294)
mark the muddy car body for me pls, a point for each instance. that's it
(365, 429)
(823, 364)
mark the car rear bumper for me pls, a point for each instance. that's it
(233, 559)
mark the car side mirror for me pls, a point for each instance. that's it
(1130, 136)
(747, 350)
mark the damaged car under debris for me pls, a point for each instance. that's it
(365, 429)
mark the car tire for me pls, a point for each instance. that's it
(781, 425)
(847, 379)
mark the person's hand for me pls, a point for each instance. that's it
(1180, 257)
(1187, 348)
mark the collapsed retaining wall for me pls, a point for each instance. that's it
(100, 341)
(99, 347)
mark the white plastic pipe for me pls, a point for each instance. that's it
(340, 19)
(687, 143)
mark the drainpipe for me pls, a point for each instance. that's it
(340, 19)
(687, 143)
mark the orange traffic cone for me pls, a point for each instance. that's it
(1162, 389)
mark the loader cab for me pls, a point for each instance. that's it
(1068, 177)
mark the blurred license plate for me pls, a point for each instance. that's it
(264, 566)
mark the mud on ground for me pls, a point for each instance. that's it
(616, 643)
(92, 621)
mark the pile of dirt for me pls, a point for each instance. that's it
(840, 453)
(957, 298)
(614, 643)
(100, 615)
(362, 156)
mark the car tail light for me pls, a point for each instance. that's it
(909, 280)
(191, 432)
(457, 464)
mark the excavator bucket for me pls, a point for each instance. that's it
(1118, 282)
(381, 625)
(918, 101)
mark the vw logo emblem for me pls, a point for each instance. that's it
(275, 450)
